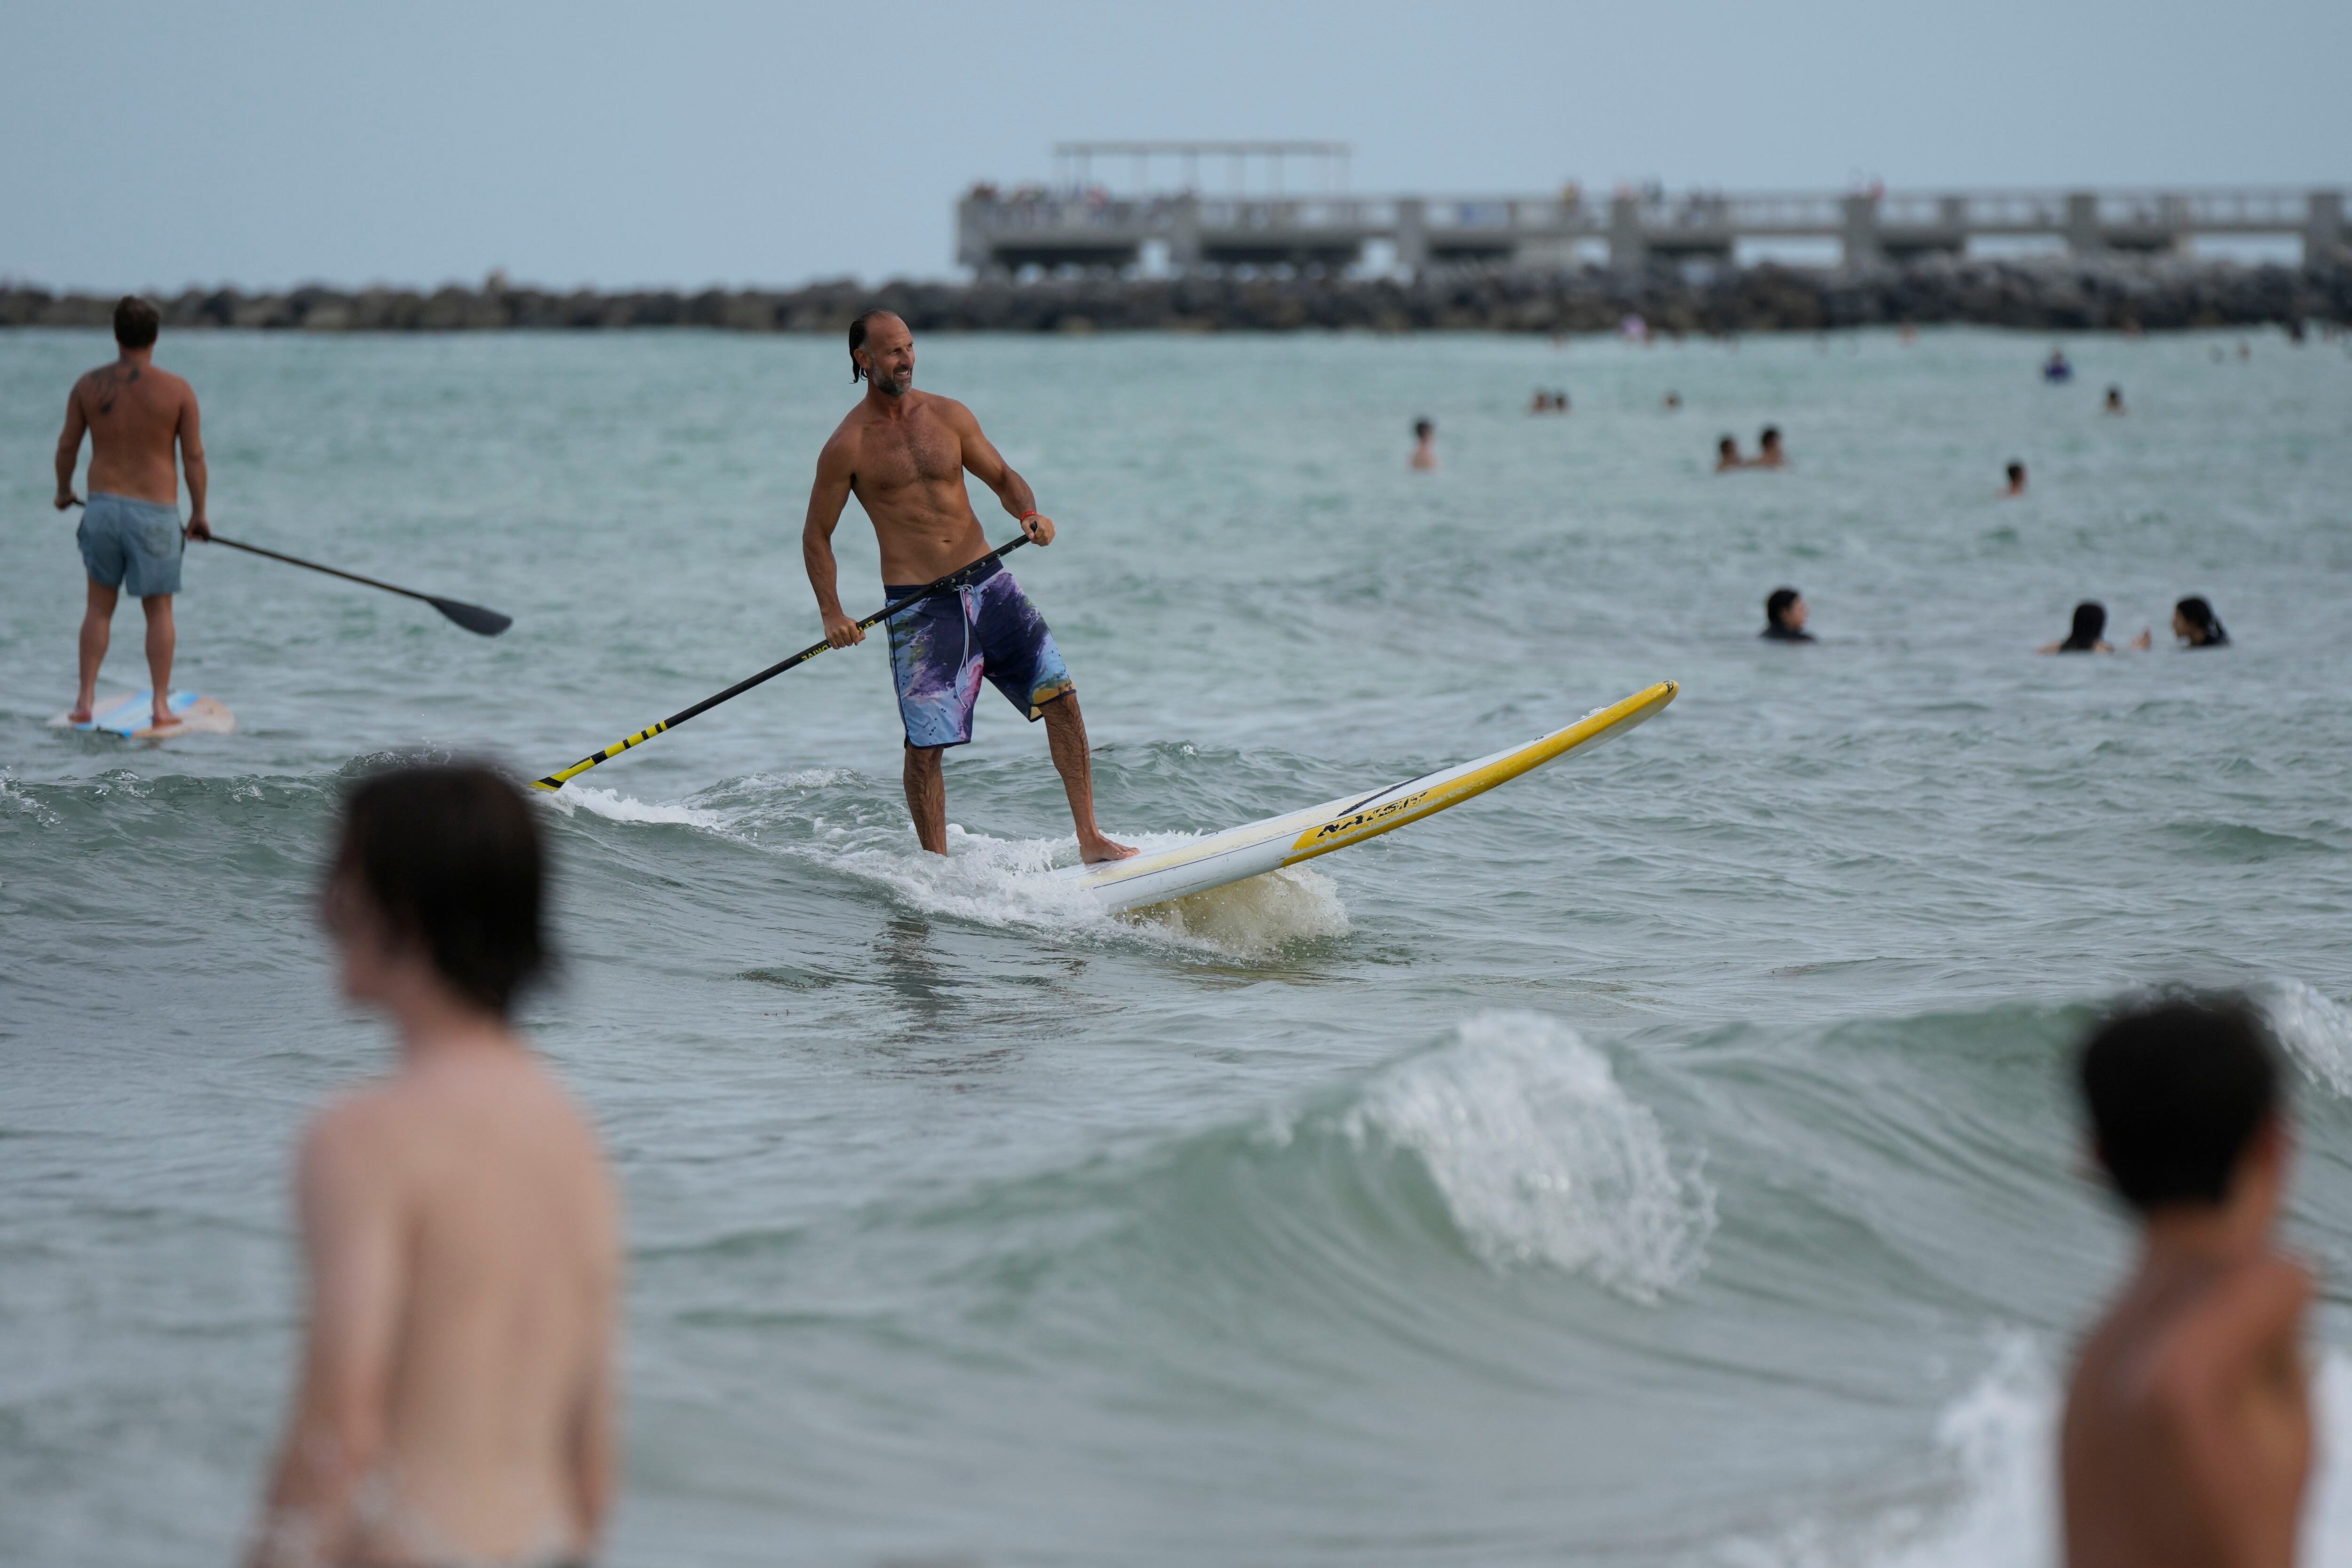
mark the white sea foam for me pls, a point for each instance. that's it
(1542, 1156)
(1258, 915)
(2000, 1442)
(997, 880)
(618, 808)
(2315, 1031)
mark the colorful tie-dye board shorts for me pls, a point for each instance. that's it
(940, 649)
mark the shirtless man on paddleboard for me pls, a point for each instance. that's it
(904, 453)
(131, 536)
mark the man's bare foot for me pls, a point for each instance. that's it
(1097, 849)
(164, 719)
(78, 714)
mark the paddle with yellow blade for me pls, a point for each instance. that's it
(955, 578)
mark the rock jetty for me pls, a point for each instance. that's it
(2151, 294)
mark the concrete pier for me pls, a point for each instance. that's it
(1189, 230)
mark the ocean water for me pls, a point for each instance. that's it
(1661, 1160)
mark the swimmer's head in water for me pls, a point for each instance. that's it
(1423, 430)
(882, 351)
(1785, 606)
(1770, 438)
(1727, 447)
(2017, 473)
(446, 861)
(2178, 1091)
(2090, 624)
(2193, 618)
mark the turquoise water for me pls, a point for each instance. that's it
(1660, 1160)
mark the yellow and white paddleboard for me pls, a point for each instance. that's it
(132, 716)
(1256, 847)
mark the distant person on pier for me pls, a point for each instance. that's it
(2194, 622)
(1785, 614)
(1768, 454)
(1727, 455)
(2088, 634)
(2115, 403)
(2187, 1437)
(1424, 445)
(2016, 480)
(138, 418)
(2055, 368)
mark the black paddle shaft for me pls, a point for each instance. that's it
(472, 617)
(955, 578)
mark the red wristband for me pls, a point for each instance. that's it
(1026, 516)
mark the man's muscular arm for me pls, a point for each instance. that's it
(69, 446)
(191, 459)
(988, 466)
(835, 471)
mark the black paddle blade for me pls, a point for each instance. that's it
(472, 617)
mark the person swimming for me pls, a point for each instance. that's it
(2055, 368)
(1673, 400)
(1768, 449)
(1424, 449)
(2089, 633)
(2016, 479)
(1785, 613)
(1540, 402)
(2115, 403)
(2194, 622)
(1727, 455)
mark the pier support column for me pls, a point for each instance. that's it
(2323, 229)
(2083, 237)
(1184, 234)
(1412, 235)
(971, 233)
(1863, 245)
(1628, 251)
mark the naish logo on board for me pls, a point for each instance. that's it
(1355, 820)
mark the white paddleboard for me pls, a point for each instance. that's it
(132, 716)
(1256, 847)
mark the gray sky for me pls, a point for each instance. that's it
(155, 145)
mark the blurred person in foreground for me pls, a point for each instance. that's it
(137, 419)
(455, 1395)
(2187, 1437)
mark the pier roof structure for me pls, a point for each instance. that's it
(1186, 229)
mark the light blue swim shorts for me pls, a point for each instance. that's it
(131, 545)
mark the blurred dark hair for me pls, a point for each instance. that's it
(2016, 471)
(1771, 434)
(136, 322)
(857, 340)
(2090, 623)
(451, 855)
(1776, 603)
(1423, 428)
(2200, 614)
(2175, 1090)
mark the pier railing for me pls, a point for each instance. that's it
(1090, 228)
